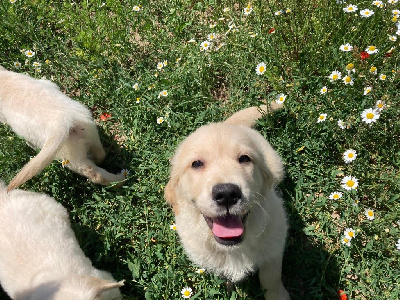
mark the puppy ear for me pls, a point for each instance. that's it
(273, 166)
(249, 116)
(170, 194)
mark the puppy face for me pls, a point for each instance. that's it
(221, 172)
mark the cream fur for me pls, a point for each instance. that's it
(40, 258)
(219, 145)
(61, 127)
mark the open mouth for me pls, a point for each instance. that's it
(228, 230)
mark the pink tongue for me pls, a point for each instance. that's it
(227, 227)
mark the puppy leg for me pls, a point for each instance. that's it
(96, 150)
(270, 278)
(75, 151)
(94, 173)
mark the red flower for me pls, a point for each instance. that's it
(364, 55)
(342, 294)
(105, 116)
(272, 30)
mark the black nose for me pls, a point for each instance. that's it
(226, 194)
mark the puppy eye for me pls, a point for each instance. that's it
(197, 164)
(244, 159)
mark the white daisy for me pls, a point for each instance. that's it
(398, 244)
(163, 93)
(349, 183)
(280, 98)
(392, 1)
(366, 13)
(341, 124)
(380, 105)
(226, 9)
(335, 196)
(373, 70)
(192, 41)
(30, 53)
(349, 156)
(371, 50)
(323, 90)
(136, 8)
(173, 227)
(200, 271)
(321, 118)
(346, 47)
(335, 75)
(378, 3)
(211, 36)
(370, 115)
(160, 120)
(278, 13)
(348, 80)
(165, 63)
(367, 90)
(186, 292)
(346, 241)
(125, 172)
(260, 69)
(350, 8)
(350, 233)
(204, 46)
(17, 64)
(369, 213)
(392, 38)
(382, 77)
(247, 10)
(136, 86)
(160, 65)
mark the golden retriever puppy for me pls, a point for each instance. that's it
(61, 127)
(40, 258)
(222, 190)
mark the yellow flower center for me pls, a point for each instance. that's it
(383, 77)
(373, 69)
(346, 240)
(321, 117)
(350, 66)
(350, 8)
(370, 116)
(347, 79)
(371, 48)
(351, 234)
(367, 12)
(187, 293)
(334, 77)
(370, 213)
(336, 196)
(350, 183)
(262, 69)
(380, 105)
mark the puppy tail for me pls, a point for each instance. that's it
(39, 162)
(249, 116)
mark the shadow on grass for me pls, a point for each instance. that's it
(309, 271)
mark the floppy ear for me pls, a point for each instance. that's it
(273, 167)
(170, 193)
(249, 116)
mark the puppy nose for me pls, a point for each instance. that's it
(226, 194)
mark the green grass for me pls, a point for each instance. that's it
(96, 53)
